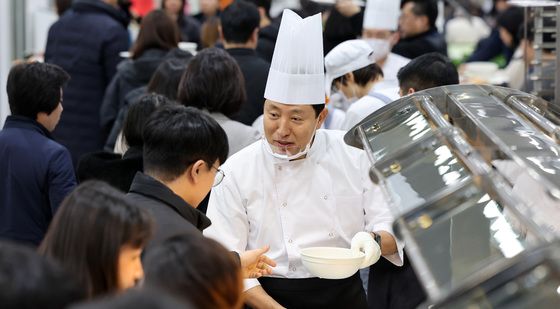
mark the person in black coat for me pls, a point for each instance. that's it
(164, 81)
(36, 172)
(344, 23)
(268, 29)
(158, 35)
(113, 168)
(239, 31)
(417, 29)
(86, 42)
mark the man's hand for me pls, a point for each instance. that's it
(347, 8)
(255, 264)
(364, 242)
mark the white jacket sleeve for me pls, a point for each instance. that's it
(377, 212)
(230, 225)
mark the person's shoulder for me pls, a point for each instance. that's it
(335, 144)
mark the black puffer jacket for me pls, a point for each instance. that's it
(86, 42)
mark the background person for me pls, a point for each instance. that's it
(98, 236)
(36, 172)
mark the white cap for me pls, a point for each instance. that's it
(296, 73)
(382, 14)
(347, 57)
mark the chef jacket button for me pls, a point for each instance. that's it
(331, 234)
(284, 204)
(279, 168)
(290, 241)
(293, 268)
(325, 197)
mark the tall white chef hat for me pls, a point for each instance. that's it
(346, 57)
(296, 73)
(382, 14)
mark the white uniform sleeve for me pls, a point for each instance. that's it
(377, 212)
(230, 225)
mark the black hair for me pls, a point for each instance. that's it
(239, 20)
(175, 137)
(363, 75)
(29, 281)
(265, 4)
(213, 81)
(426, 8)
(35, 87)
(167, 76)
(427, 71)
(137, 116)
(195, 268)
(318, 108)
(88, 232)
(511, 20)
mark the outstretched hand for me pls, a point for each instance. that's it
(254, 264)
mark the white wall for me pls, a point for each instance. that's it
(5, 56)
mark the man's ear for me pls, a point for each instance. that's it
(195, 170)
(411, 91)
(322, 117)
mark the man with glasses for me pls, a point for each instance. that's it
(183, 149)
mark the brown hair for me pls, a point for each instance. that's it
(198, 269)
(88, 232)
(157, 30)
(209, 33)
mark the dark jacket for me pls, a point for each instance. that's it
(131, 98)
(427, 42)
(339, 28)
(172, 215)
(114, 169)
(267, 40)
(36, 174)
(255, 71)
(131, 74)
(86, 42)
(491, 47)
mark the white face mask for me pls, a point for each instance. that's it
(381, 48)
(290, 153)
(347, 101)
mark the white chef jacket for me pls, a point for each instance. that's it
(322, 200)
(360, 110)
(390, 68)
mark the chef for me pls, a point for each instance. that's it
(381, 21)
(352, 71)
(300, 187)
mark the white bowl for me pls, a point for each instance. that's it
(331, 262)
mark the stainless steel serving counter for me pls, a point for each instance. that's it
(472, 174)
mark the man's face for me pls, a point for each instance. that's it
(410, 24)
(290, 127)
(49, 121)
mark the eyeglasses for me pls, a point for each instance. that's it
(219, 176)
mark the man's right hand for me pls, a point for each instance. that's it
(257, 298)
